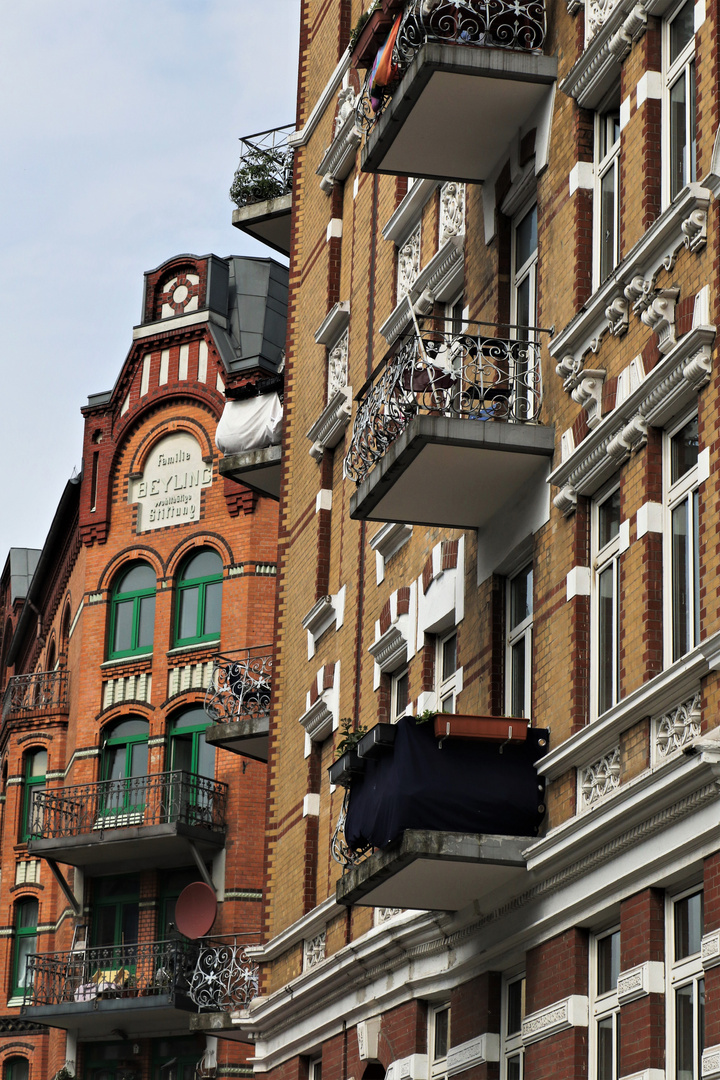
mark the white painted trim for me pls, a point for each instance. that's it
(414, 1067)
(625, 112)
(323, 500)
(408, 212)
(650, 85)
(571, 1012)
(582, 175)
(578, 582)
(710, 949)
(647, 1074)
(650, 519)
(309, 926)
(477, 1051)
(334, 229)
(637, 982)
(177, 322)
(302, 136)
(710, 1067)
(311, 805)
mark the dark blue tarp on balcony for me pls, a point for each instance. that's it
(465, 786)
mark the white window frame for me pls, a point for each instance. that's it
(528, 270)
(395, 680)
(438, 1065)
(602, 1007)
(688, 971)
(315, 1067)
(606, 163)
(511, 1044)
(451, 685)
(603, 559)
(684, 490)
(679, 69)
(516, 634)
(451, 317)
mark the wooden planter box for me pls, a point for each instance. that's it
(371, 37)
(347, 766)
(491, 728)
(378, 741)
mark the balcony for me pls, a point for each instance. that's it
(438, 817)
(141, 988)
(249, 436)
(456, 67)
(135, 823)
(42, 694)
(238, 702)
(448, 432)
(262, 187)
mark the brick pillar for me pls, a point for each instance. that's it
(556, 971)
(475, 1011)
(711, 921)
(642, 1021)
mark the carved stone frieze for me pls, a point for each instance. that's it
(678, 727)
(346, 108)
(313, 950)
(599, 779)
(338, 366)
(408, 265)
(452, 210)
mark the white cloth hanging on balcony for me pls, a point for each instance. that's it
(251, 424)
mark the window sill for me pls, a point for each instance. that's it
(15, 1002)
(119, 661)
(198, 646)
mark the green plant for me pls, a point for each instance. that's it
(358, 28)
(64, 1074)
(261, 175)
(349, 737)
(423, 718)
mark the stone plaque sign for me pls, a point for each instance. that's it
(168, 492)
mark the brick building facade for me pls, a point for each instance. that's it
(154, 592)
(498, 508)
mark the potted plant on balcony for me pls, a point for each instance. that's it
(261, 175)
(349, 762)
(377, 741)
(369, 33)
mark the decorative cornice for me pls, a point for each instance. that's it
(440, 278)
(390, 651)
(710, 1068)
(318, 721)
(407, 213)
(474, 1052)
(327, 430)
(572, 1012)
(414, 1067)
(637, 982)
(599, 63)
(333, 324)
(710, 949)
(307, 927)
(390, 538)
(302, 136)
(339, 158)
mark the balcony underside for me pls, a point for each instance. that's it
(434, 871)
(219, 1024)
(268, 222)
(139, 1017)
(257, 469)
(247, 737)
(139, 847)
(456, 110)
(454, 472)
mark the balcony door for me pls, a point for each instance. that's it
(124, 771)
(524, 314)
(115, 923)
(192, 797)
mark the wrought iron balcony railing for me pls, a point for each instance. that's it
(224, 977)
(110, 971)
(266, 167)
(240, 685)
(495, 24)
(28, 694)
(165, 798)
(437, 373)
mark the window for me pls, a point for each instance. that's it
(604, 1007)
(438, 1039)
(687, 989)
(132, 612)
(513, 1014)
(16, 1068)
(116, 914)
(199, 601)
(683, 475)
(26, 921)
(34, 784)
(124, 768)
(680, 97)
(607, 188)
(454, 316)
(518, 652)
(523, 315)
(398, 694)
(315, 1069)
(606, 548)
(190, 754)
(446, 672)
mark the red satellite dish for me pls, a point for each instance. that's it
(195, 910)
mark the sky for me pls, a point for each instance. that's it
(119, 128)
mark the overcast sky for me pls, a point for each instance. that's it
(119, 127)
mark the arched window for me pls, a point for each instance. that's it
(193, 790)
(132, 613)
(16, 1068)
(50, 662)
(34, 783)
(124, 767)
(26, 920)
(65, 631)
(199, 600)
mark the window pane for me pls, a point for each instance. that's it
(606, 639)
(146, 626)
(139, 577)
(27, 914)
(522, 297)
(213, 608)
(449, 657)
(187, 625)
(608, 955)
(34, 812)
(37, 763)
(678, 137)
(680, 581)
(442, 1031)
(515, 1006)
(696, 567)
(608, 225)
(605, 1057)
(517, 691)
(609, 519)
(688, 925)
(521, 597)
(26, 945)
(681, 30)
(684, 450)
(400, 690)
(122, 640)
(513, 1068)
(693, 136)
(17, 1068)
(204, 564)
(684, 1032)
(526, 239)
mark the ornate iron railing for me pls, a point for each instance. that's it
(225, 977)
(240, 685)
(266, 167)
(109, 972)
(170, 797)
(28, 694)
(495, 24)
(436, 373)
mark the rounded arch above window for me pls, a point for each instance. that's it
(132, 611)
(16, 1068)
(139, 576)
(199, 599)
(206, 563)
(126, 727)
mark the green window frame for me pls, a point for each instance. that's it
(33, 784)
(199, 599)
(16, 1068)
(132, 612)
(124, 767)
(193, 756)
(26, 923)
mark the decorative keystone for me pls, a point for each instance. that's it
(588, 393)
(617, 316)
(660, 317)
